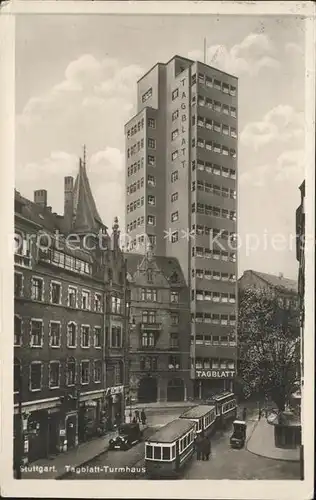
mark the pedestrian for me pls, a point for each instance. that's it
(143, 416)
(244, 414)
(207, 448)
(134, 420)
(198, 446)
(137, 416)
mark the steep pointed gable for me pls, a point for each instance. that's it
(85, 215)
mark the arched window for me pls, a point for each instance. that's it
(71, 371)
(17, 375)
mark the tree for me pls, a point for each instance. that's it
(268, 340)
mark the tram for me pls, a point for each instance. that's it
(226, 408)
(204, 416)
(170, 449)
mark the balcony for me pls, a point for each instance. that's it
(150, 326)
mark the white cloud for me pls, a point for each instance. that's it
(248, 57)
(281, 123)
(105, 170)
(293, 48)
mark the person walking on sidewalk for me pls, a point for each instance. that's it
(206, 448)
(143, 416)
(198, 446)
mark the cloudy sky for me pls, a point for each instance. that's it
(76, 83)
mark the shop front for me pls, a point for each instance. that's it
(209, 382)
(37, 432)
(114, 405)
(89, 416)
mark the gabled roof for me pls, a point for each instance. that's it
(85, 214)
(37, 214)
(167, 265)
(278, 281)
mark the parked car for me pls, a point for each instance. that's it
(127, 436)
(238, 437)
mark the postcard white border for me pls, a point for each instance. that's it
(291, 489)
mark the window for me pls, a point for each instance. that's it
(174, 155)
(175, 114)
(35, 376)
(151, 123)
(85, 372)
(54, 334)
(174, 176)
(225, 151)
(116, 336)
(174, 362)
(17, 375)
(17, 330)
(37, 289)
(151, 220)
(174, 134)
(149, 317)
(55, 293)
(174, 296)
(149, 294)
(174, 237)
(151, 160)
(174, 340)
(85, 301)
(225, 109)
(217, 84)
(175, 94)
(233, 112)
(98, 302)
(148, 339)
(18, 283)
(54, 374)
(225, 129)
(85, 336)
(116, 305)
(72, 297)
(225, 88)
(217, 106)
(151, 200)
(97, 336)
(97, 371)
(36, 333)
(233, 132)
(217, 148)
(232, 90)
(147, 95)
(174, 318)
(174, 197)
(71, 335)
(216, 127)
(151, 143)
(151, 181)
(174, 216)
(152, 238)
(71, 372)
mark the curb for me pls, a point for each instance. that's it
(267, 456)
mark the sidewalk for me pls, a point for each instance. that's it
(261, 442)
(57, 466)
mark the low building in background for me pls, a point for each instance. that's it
(159, 354)
(70, 322)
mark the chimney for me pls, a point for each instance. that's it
(49, 209)
(281, 275)
(40, 197)
(68, 200)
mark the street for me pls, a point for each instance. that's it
(225, 462)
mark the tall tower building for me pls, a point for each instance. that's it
(181, 178)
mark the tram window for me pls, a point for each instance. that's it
(200, 425)
(166, 453)
(149, 451)
(157, 453)
(173, 451)
(186, 441)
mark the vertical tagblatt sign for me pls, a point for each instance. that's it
(184, 95)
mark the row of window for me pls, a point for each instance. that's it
(223, 340)
(135, 204)
(215, 233)
(207, 253)
(213, 296)
(135, 167)
(230, 405)
(147, 95)
(151, 144)
(139, 240)
(89, 371)
(210, 364)
(215, 319)
(214, 189)
(215, 126)
(135, 223)
(150, 317)
(214, 105)
(213, 275)
(216, 147)
(202, 208)
(88, 335)
(213, 168)
(135, 128)
(132, 188)
(214, 83)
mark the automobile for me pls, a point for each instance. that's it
(238, 436)
(127, 436)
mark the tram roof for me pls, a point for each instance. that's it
(223, 395)
(171, 432)
(197, 411)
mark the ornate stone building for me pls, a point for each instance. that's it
(70, 323)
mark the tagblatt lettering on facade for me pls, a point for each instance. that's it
(183, 130)
(215, 373)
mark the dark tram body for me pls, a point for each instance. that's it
(204, 416)
(169, 449)
(226, 408)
